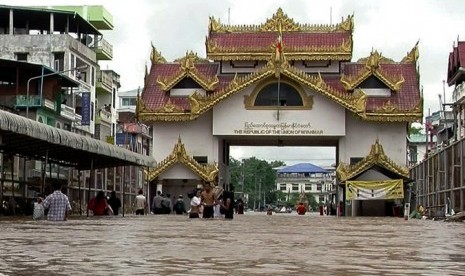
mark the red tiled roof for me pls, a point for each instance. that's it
(262, 41)
(456, 60)
(406, 98)
(153, 97)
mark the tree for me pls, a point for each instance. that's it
(256, 178)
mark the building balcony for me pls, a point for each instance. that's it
(27, 101)
(103, 116)
(104, 82)
(103, 49)
(67, 112)
(458, 95)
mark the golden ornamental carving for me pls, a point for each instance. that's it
(179, 155)
(354, 102)
(281, 20)
(373, 67)
(187, 69)
(412, 56)
(375, 157)
(156, 57)
(388, 107)
(312, 52)
(195, 100)
(169, 107)
(249, 100)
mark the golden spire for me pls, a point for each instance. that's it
(413, 55)
(156, 57)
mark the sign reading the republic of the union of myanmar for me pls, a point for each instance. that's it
(279, 128)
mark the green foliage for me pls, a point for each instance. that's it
(414, 130)
(256, 178)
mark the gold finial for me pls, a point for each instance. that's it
(156, 56)
(413, 55)
(372, 62)
(347, 24)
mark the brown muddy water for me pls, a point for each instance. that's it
(251, 244)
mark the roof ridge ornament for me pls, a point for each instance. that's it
(156, 57)
(288, 25)
(413, 55)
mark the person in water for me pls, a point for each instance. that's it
(301, 210)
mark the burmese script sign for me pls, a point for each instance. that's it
(279, 128)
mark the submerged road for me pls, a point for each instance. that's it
(251, 244)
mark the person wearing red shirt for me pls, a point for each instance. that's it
(301, 209)
(99, 205)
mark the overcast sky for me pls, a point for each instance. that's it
(175, 26)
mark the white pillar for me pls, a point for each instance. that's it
(10, 30)
(52, 24)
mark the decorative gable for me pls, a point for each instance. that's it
(188, 69)
(373, 68)
(376, 157)
(179, 155)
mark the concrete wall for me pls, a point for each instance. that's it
(40, 48)
(360, 135)
(299, 122)
(195, 135)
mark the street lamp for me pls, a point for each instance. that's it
(46, 75)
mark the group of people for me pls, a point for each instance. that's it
(205, 202)
(162, 204)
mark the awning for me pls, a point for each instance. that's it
(28, 138)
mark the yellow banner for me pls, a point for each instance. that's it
(366, 190)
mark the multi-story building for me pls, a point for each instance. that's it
(69, 40)
(132, 135)
(307, 178)
(456, 78)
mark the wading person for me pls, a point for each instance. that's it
(208, 200)
(157, 208)
(195, 204)
(57, 204)
(227, 205)
(99, 205)
(141, 203)
(115, 203)
(38, 212)
(179, 207)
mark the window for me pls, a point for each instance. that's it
(59, 58)
(308, 187)
(201, 159)
(282, 187)
(128, 101)
(319, 187)
(287, 96)
(21, 56)
(295, 187)
(355, 160)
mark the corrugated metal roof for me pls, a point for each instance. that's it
(302, 168)
(22, 136)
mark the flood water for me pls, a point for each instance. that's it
(251, 244)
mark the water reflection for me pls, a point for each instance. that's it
(252, 244)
